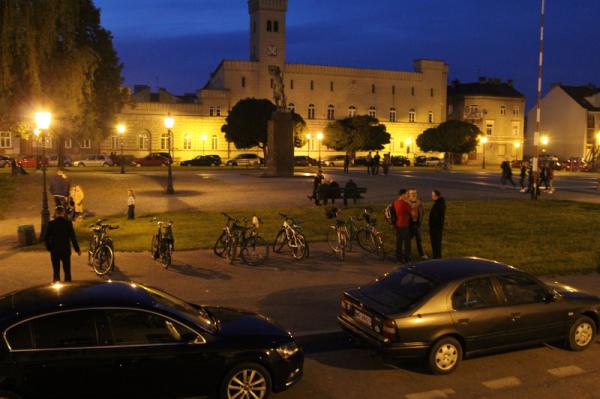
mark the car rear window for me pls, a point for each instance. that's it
(400, 290)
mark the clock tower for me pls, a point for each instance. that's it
(267, 39)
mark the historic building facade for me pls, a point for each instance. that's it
(498, 109)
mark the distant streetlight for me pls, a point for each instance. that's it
(407, 142)
(42, 120)
(121, 130)
(203, 138)
(483, 141)
(169, 123)
(320, 138)
(308, 138)
(517, 145)
(544, 140)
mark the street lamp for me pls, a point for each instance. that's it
(544, 140)
(121, 130)
(407, 142)
(42, 120)
(320, 138)
(308, 138)
(517, 145)
(169, 122)
(483, 140)
(203, 138)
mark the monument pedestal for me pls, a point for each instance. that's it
(280, 151)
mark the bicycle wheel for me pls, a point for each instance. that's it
(221, 245)
(280, 241)
(255, 250)
(231, 251)
(380, 251)
(154, 246)
(300, 249)
(91, 250)
(165, 254)
(366, 240)
(104, 260)
(342, 237)
(332, 239)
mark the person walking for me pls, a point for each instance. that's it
(77, 198)
(347, 163)
(369, 161)
(550, 178)
(60, 188)
(376, 161)
(436, 223)
(523, 176)
(506, 174)
(387, 162)
(316, 184)
(59, 237)
(404, 214)
(543, 176)
(130, 204)
(415, 224)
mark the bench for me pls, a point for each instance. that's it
(325, 193)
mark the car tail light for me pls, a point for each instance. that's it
(346, 306)
(389, 329)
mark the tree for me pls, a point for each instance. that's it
(450, 137)
(55, 55)
(247, 124)
(357, 133)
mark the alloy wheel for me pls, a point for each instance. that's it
(247, 384)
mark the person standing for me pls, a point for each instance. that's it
(523, 176)
(60, 188)
(506, 174)
(387, 162)
(376, 160)
(369, 162)
(346, 163)
(130, 204)
(436, 223)
(59, 237)
(316, 184)
(77, 197)
(550, 178)
(404, 214)
(415, 224)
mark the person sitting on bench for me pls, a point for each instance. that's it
(350, 191)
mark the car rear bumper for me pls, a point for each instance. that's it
(400, 350)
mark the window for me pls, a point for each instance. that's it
(5, 140)
(86, 143)
(211, 111)
(164, 141)
(516, 128)
(591, 121)
(143, 141)
(330, 112)
(475, 294)
(373, 88)
(372, 112)
(114, 142)
(412, 91)
(20, 337)
(330, 86)
(311, 111)
(520, 289)
(412, 116)
(515, 111)
(450, 109)
(430, 92)
(218, 111)
(312, 84)
(291, 107)
(68, 143)
(501, 150)
(292, 84)
(502, 110)
(489, 128)
(393, 90)
(351, 111)
(214, 142)
(474, 108)
(400, 289)
(243, 81)
(131, 327)
(269, 26)
(275, 26)
(392, 114)
(187, 142)
(430, 117)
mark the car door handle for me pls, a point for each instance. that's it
(515, 316)
(464, 321)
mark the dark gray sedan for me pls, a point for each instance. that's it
(441, 310)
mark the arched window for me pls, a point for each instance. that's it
(215, 142)
(291, 107)
(114, 142)
(164, 141)
(269, 26)
(372, 112)
(373, 88)
(311, 111)
(412, 115)
(330, 112)
(187, 141)
(351, 111)
(143, 141)
(392, 114)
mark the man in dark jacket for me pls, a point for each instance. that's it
(316, 184)
(436, 223)
(58, 240)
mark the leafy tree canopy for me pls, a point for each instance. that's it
(450, 137)
(358, 133)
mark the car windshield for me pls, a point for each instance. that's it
(196, 312)
(400, 289)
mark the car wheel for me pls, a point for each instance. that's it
(247, 380)
(445, 356)
(81, 164)
(105, 164)
(581, 334)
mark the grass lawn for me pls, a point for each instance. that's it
(544, 237)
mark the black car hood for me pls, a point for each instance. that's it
(570, 292)
(234, 322)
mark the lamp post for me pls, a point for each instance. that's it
(42, 120)
(484, 141)
(308, 138)
(121, 130)
(544, 140)
(320, 138)
(517, 145)
(407, 142)
(169, 122)
(203, 138)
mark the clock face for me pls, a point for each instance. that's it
(272, 50)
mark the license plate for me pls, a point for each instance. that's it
(363, 318)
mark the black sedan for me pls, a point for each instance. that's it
(400, 161)
(440, 310)
(203, 160)
(117, 339)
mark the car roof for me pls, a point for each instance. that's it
(460, 268)
(49, 298)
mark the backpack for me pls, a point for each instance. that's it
(390, 214)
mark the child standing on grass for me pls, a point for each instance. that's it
(130, 204)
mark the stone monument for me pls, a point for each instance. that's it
(280, 142)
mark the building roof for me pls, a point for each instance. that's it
(581, 93)
(485, 87)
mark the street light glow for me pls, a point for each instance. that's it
(42, 119)
(517, 144)
(545, 140)
(308, 136)
(169, 122)
(598, 137)
(121, 128)
(407, 141)
(203, 137)
(484, 140)
(319, 136)
(37, 132)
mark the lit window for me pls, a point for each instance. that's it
(412, 115)
(311, 111)
(516, 111)
(291, 107)
(86, 143)
(502, 110)
(430, 117)
(187, 142)
(215, 142)
(164, 141)
(489, 128)
(5, 140)
(392, 114)
(218, 111)
(351, 111)
(516, 128)
(211, 111)
(143, 141)
(372, 112)
(330, 112)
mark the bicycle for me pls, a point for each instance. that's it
(237, 237)
(369, 238)
(67, 203)
(101, 255)
(291, 235)
(338, 236)
(163, 243)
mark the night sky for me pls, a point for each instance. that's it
(177, 43)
